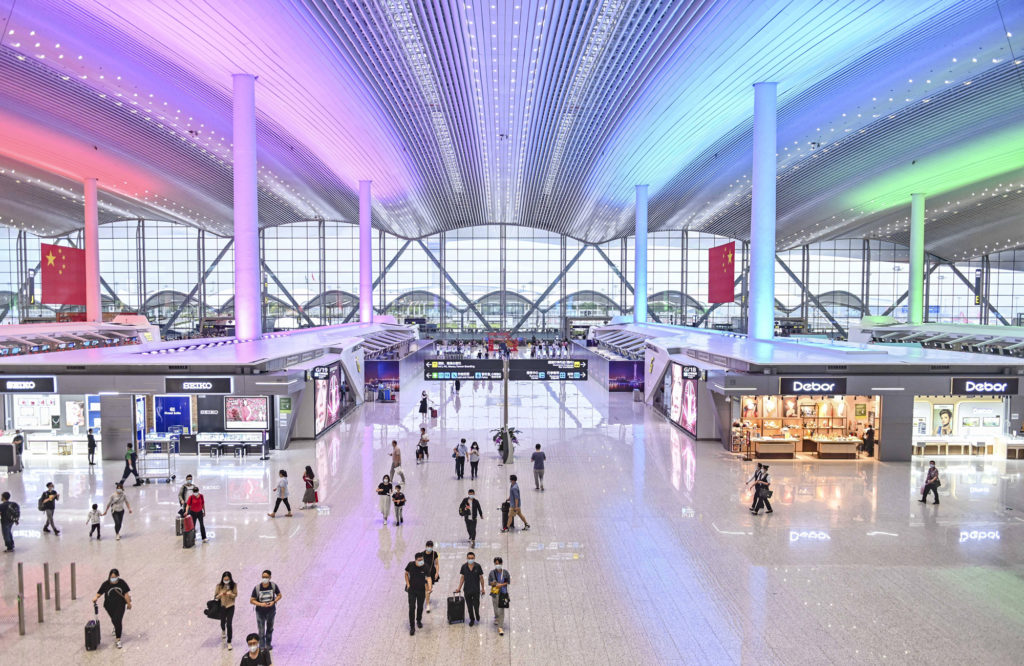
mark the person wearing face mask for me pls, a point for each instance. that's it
(430, 556)
(417, 585)
(498, 579)
(265, 597)
(255, 656)
(117, 503)
(116, 598)
(931, 484)
(398, 497)
(226, 592)
(183, 493)
(48, 502)
(470, 510)
(472, 576)
(474, 460)
(196, 506)
(384, 492)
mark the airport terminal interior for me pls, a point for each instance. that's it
(696, 324)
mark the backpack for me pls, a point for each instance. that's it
(39, 504)
(13, 512)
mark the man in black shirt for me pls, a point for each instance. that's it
(470, 509)
(91, 441)
(472, 576)
(417, 583)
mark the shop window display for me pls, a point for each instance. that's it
(822, 426)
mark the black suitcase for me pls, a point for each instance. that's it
(188, 539)
(505, 508)
(456, 610)
(92, 632)
(177, 525)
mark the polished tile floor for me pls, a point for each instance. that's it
(642, 550)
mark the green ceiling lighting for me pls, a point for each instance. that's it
(943, 171)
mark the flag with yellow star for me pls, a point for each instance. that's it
(722, 273)
(62, 273)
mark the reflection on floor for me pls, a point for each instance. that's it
(642, 550)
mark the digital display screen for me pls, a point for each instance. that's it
(624, 376)
(326, 397)
(688, 414)
(440, 369)
(554, 369)
(246, 413)
(677, 393)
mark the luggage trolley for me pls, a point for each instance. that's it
(157, 466)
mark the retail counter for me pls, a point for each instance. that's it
(945, 446)
(774, 447)
(65, 445)
(836, 447)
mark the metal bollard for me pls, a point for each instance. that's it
(21, 615)
(39, 600)
(21, 578)
(56, 590)
(46, 579)
(74, 591)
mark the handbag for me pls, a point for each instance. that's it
(214, 610)
(503, 599)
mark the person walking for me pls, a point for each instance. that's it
(281, 494)
(183, 494)
(131, 465)
(472, 576)
(19, 451)
(265, 597)
(931, 484)
(423, 405)
(459, 453)
(515, 505)
(868, 445)
(499, 579)
(763, 491)
(384, 492)
(538, 457)
(399, 501)
(474, 460)
(90, 440)
(431, 557)
(310, 498)
(117, 503)
(226, 592)
(470, 509)
(116, 598)
(422, 452)
(255, 656)
(396, 461)
(417, 586)
(94, 521)
(752, 481)
(48, 502)
(10, 515)
(196, 506)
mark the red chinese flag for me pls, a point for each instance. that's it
(722, 273)
(63, 275)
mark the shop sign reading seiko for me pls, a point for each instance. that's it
(982, 386)
(199, 385)
(812, 386)
(28, 385)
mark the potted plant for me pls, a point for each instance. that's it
(505, 438)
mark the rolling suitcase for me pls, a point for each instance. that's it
(505, 508)
(92, 631)
(177, 525)
(456, 610)
(433, 413)
(188, 537)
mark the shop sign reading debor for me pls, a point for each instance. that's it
(28, 385)
(812, 386)
(199, 385)
(984, 386)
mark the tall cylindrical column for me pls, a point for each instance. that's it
(365, 252)
(761, 291)
(640, 258)
(93, 304)
(248, 306)
(915, 289)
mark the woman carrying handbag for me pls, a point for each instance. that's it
(310, 498)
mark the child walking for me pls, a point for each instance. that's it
(399, 499)
(94, 521)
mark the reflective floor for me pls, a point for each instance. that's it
(641, 550)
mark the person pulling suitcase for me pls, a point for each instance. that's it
(116, 598)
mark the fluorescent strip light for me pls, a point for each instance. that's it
(874, 388)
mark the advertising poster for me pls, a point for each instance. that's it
(666, 391)
(172, 413)
(34, 412)
(74, 413)
(140, 418)
(92, 405)
(334, 394)
(382, 374)
(246, 413)
(688, 412)
(624, 376)
(677, 393)
(326, 397)
(942, 419)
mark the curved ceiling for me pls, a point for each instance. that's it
(542, 113)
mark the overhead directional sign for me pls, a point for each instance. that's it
(439, 369)
(550, 369)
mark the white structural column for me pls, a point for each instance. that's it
(93, 303)
(915, 289)
(640, 262)
(761, 292)
(248, 299)
(365, 252)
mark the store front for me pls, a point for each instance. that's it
(973, 420)
(51, 422)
